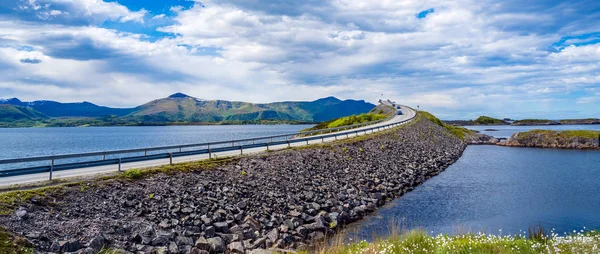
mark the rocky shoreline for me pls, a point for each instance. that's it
(286, 200)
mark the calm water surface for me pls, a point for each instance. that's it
(505, 131)
(27, 142)
(494, 188)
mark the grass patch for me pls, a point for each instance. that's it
(457, 131)
(9, 244)
(348, 120)
(11, 200)
(420, 242)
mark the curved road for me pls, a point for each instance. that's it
(408, 113)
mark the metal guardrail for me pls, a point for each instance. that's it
(205, 148)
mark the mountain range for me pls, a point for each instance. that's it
(176, 109)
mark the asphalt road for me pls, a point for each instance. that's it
(34, 178)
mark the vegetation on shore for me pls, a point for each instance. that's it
(348, 120)
(457, 131)
(572, 139)
(420, 242)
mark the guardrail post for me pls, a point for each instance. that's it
(289, 145)
(241, 150)
(267, 146)
(51, 169)
(180, 149)
(209, 153)
(307, 141)
(322, 139)
(145, 152)
(171, 159)
(119, 164)
(104, 157)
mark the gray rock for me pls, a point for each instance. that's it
(98, 242)
(173, 248)
(221, 227)
(273, 235)
(182, 240)
(160, 241)
(202, 244)
(236, 247)
(21, 213)
(70, 246)
(216, 244)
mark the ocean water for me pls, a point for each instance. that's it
(501, 190)
(29, 142)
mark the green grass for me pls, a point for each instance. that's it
(420, 242)
(457, 131)
(348, 120)
(9, 244)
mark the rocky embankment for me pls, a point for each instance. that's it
(555, 139)
(286, 199)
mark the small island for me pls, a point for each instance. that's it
(482, 120)
(571, 139)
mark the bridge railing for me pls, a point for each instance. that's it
(50, 164)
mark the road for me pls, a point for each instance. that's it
(34, 178)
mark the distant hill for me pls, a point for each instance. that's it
(78, 109)
(183, 109)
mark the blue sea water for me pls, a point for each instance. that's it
(29, 142)
(502, 190)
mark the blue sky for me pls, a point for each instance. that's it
(458, 59)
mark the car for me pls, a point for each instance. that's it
(398, 107)
(399, 113)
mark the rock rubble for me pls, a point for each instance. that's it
(286, 199)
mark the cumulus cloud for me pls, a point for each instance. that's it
(457, 59)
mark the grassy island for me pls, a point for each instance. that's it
(572, 139)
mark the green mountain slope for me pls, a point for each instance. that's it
(13, 113)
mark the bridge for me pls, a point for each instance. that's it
(38, 169)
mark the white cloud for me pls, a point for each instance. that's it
(160, 16)
(466, 56)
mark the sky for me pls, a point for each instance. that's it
(457, 59)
